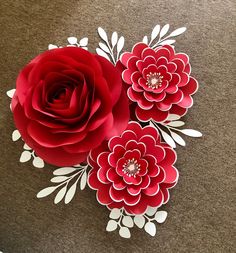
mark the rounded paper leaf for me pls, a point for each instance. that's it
(38, 162)
(128, 221)
(150, 228)
(164, 30)
(10, 93)
(178, 138)
(160, 216)
(26, 147)
(173, 117)
(111, 225)
(178, 31)
(51, 46)
(45, 192)
(70, 193)
(155, 32)
(83, 180)
(124, 232)
(151, 211)
(15, 135)
(102, 53)
(102, 34)
(139, 221)
(191, 132)
(58, 179)
(167, 42)
(72, 40)
(145, 39)
(63, 171)
(177, 123)
(60, 195)
(114, 39)
(25, 156)
(115, 213)
(168, 139)
(104, 47)
(120, 44)
(83, 42)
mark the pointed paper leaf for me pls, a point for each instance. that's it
(176, 123)
(191, 132)
(51, 46)
(70, 193)
(145, 39)
(38, 162)
(15, 135)
(111, 225)
(72, 40)
(102, 53)
(10, 93)
(115, 213)
(172, 117)
(83, 42)
(128, 221)
(63, 171)
(155, 32)
(60, 195)
(178, 32)
(160, 216)
(26, 147)
(151, 211)
(164, 30)
(120, 44)
(166, 42)
(25, 156)
(178, 138)
(114, 39)
(46, 191)
(102, 34)
(124, 232)
(58, 179)
(139, 221)
(168, 139)
(104, 47)
(83, 180)
(150, 228)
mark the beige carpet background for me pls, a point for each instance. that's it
(201, 212)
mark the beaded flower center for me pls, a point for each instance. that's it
(131, 167)
(154, 80)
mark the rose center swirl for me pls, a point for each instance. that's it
(154, 80)
(131, 167)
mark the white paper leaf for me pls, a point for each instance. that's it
(150, 228)
(145, 39)
(60, 195)
(70, 193)
(160, 216)
(104, 47)
(111, 225)
(124, 232)
(178, 32)
(164, 30)
(26, 147)
(178, 138)
(114, 39)
(51, 46)
(58, 179)
(102, 34)
(38, 162)
(139, 221)
(25, 156)
(102, 53)
(151, 211)
(72, 40)
(115, 213)
(176, 123)
(63, 171)
(173, 117)
(168, 139)
(155, 32)
(191, 132)
(120, 44)
(46, 191)
(83, 180)
(15, 135)
(166, 42)
(83, 42)
(10, 93)
(128, 221)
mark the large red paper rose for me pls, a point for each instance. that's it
(134, 171)
(159, 80)
(67, 101)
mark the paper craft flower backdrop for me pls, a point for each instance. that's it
(110, 119)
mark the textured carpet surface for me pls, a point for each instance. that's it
(202, 207)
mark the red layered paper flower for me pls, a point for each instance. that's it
(134, 171)
(67, 102)
(160, 81)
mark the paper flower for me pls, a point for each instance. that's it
(159, 80)
(67, 102)
(134, 171)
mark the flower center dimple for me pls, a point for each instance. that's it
(131, 167)
(154, 80)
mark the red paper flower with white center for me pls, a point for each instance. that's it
(134, 170)
(160, 81)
